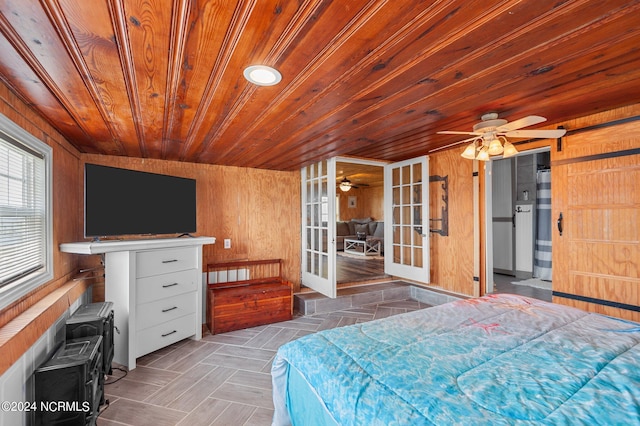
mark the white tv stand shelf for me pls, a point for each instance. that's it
(156, 289)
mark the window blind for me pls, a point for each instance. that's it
(22, 210)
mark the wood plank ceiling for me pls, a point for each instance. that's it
(368, 78)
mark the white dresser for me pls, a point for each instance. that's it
(156, 289)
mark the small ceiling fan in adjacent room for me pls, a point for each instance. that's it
(346, 185)
(490, 136)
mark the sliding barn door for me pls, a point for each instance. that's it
(596, 220)
(318, 227)
(406, 198)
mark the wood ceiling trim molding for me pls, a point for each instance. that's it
(242, 13)
(179, 29)
(148, 25)
(57, 17)
(22, 81)
(27, 55)
(118, 19)
(204, 40)
(302, 17)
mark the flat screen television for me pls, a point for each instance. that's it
(127, 202)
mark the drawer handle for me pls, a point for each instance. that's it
(169, 309)
(170, 261)
(169, 285)
(169, 334)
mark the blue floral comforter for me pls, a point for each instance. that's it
(495, 360)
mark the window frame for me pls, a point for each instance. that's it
(21, 287)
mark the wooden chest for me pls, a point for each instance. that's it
(248, 303)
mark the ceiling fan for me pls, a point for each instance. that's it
(346, 185)
(490, 136)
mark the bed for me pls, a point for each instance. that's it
(495, 360)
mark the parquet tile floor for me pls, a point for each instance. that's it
(224, 379)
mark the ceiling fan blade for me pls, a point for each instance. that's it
(543, 134)
(453, 144)
(523, 122)
(451, 132)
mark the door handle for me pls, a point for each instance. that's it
(513, 220)
(560, 224)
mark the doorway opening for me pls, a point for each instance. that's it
(401, 233)
(519, 227)
(359, 214)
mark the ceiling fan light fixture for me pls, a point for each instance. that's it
(470, 151)
(345, 185)
(483, 155)
(509, 150)
(262, 75)
(493, 132)
(495, 147)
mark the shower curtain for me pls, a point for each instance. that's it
(542, 255)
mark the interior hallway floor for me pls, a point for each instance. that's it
(503, 284)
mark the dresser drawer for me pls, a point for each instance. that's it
(160, 311)
(157, 262)
(159, 287)
(164, 334)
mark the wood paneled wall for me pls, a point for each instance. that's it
(259, 210)
(369, 203)
(452, 255)
(67, 197)
(23, 322)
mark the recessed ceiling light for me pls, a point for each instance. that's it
(262, 75)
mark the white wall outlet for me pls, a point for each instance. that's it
(227, 243)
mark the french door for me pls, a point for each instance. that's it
(406, 195)
(318, 227)
(406, 211)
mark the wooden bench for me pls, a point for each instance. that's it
(247, 293)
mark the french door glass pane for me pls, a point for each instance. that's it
(407, 215)
(316, 223)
